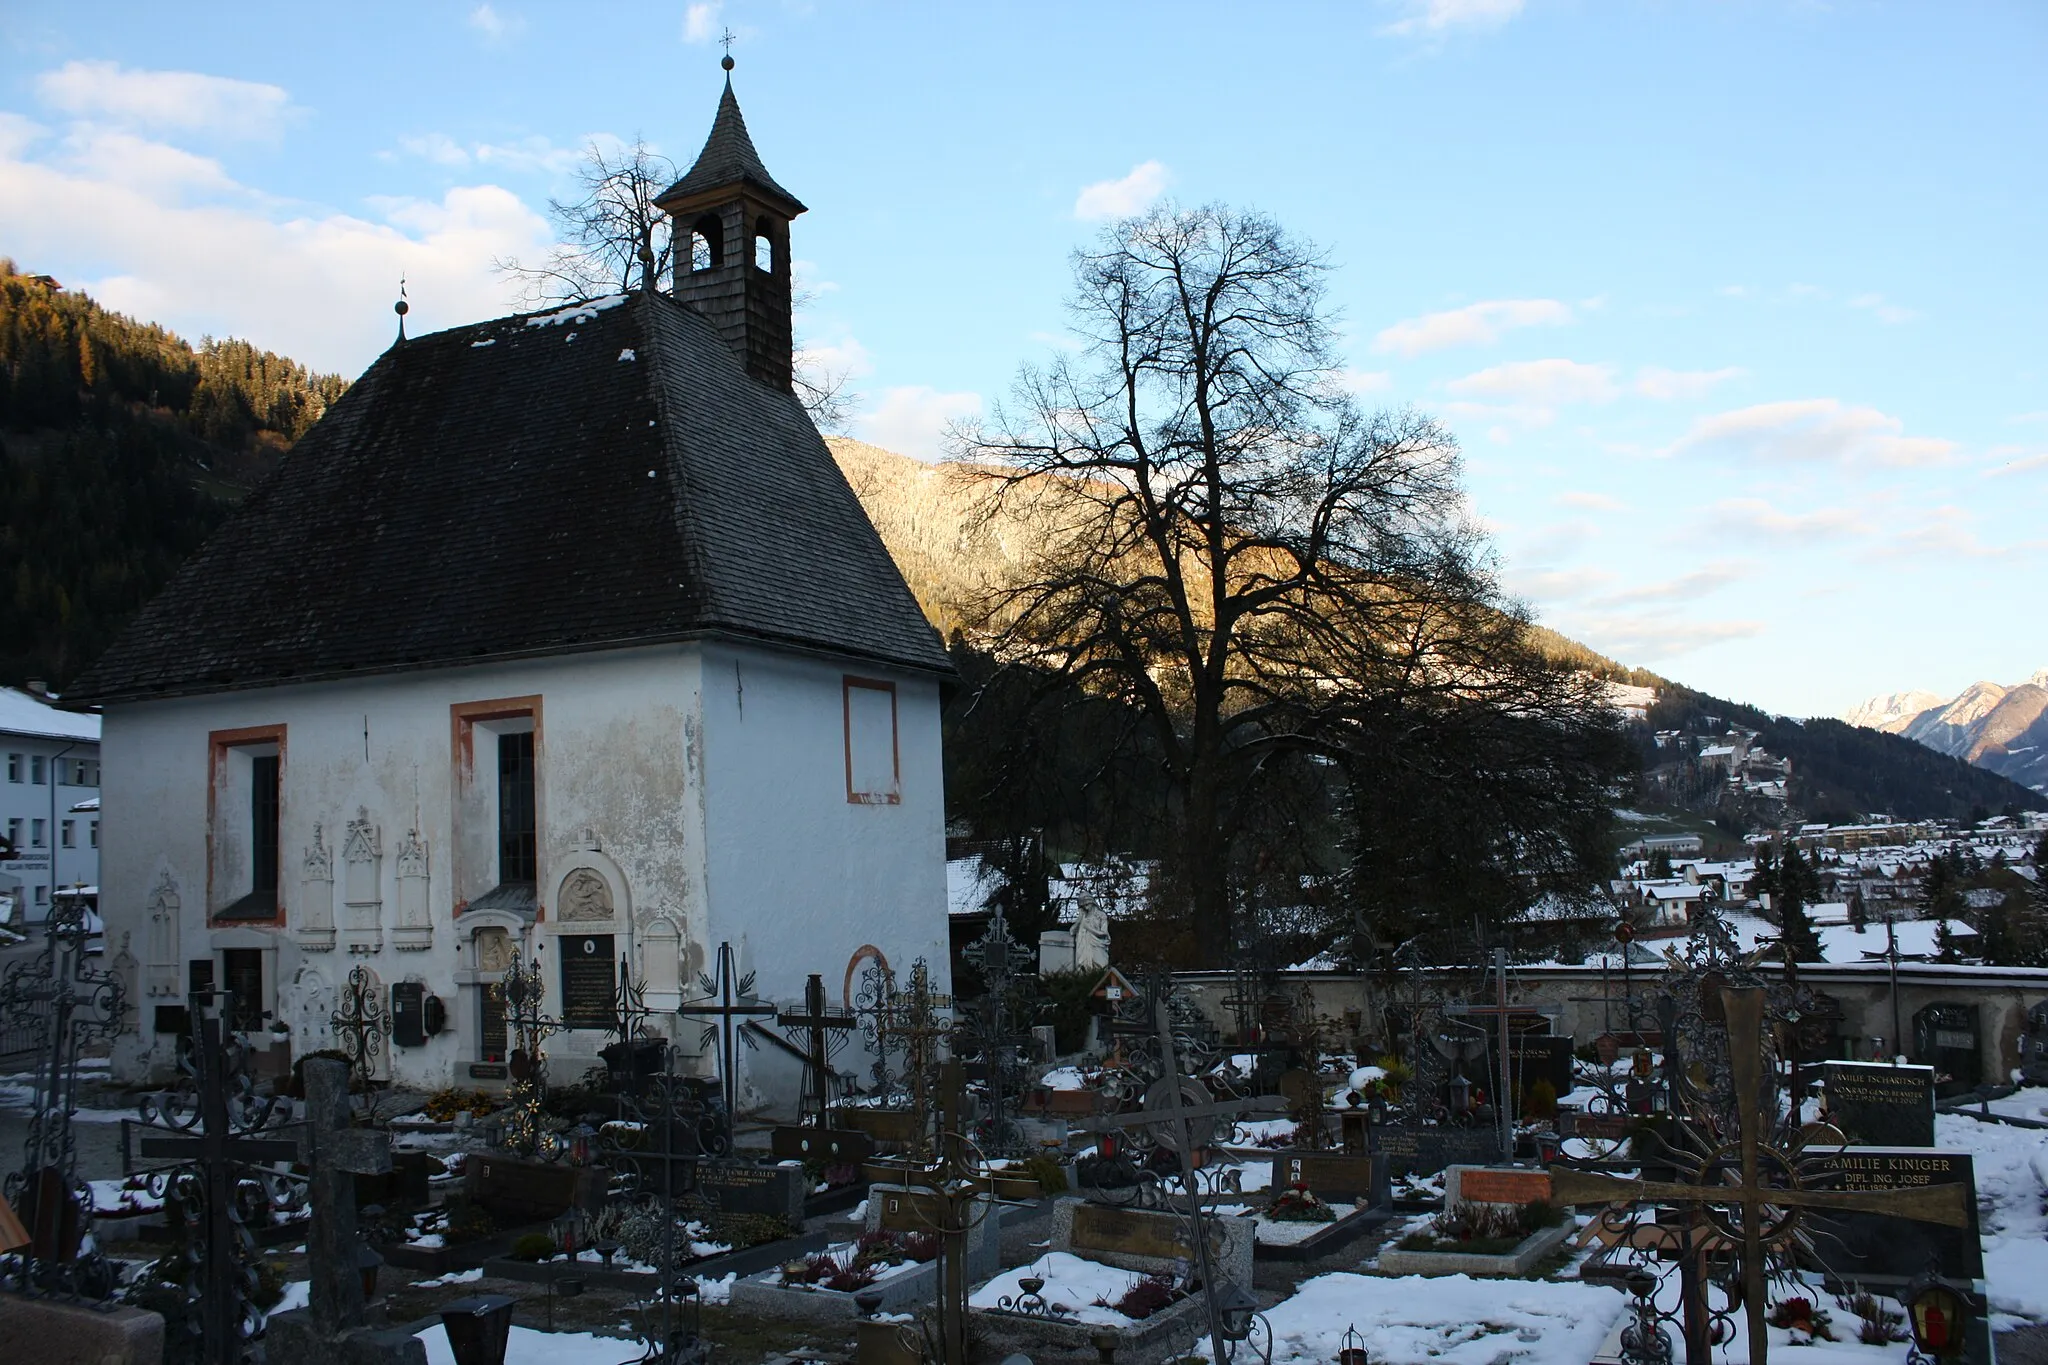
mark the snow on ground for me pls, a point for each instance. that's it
(2028, 1103)
(2011, 1166)
(528, 1347)
(1069, 1280)
(1064, 1078)
(452, 1277)
(1446, 1320)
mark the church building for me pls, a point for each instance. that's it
(563, 635)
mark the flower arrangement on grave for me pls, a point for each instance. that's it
(1877, 1325)
(532, 1246)
(443, 1105)
(1146, 1297)
(1481, 1229)
(1803, 1320)
(855, 1265)
(1299, 1204)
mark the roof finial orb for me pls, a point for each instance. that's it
(726, 61)
(401, 308)
(726, 40)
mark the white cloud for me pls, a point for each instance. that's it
(1542, 383)
(1559, 585)
(1441, 16)
(914, 419)
(2015, 460)
(1473, 325)
(1813, 429)
(1666, 385)
(1755, 518)
(165, 101)
(528, 154)
(700, 21)
(495, 26)
(1504, 417)
(1654, 637)
(177, 241)
(1134, 193)
(1948, 532)
(1875, 305)
(1685, 587)
(1591, 502)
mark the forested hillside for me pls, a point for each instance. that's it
(121, 447)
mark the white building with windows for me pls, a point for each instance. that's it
(560, 635)
(49, 804)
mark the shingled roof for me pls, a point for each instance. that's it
(596, 477)
(728, 158)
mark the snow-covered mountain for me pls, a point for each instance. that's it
(2003, 728)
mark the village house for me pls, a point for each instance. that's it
(561, 636)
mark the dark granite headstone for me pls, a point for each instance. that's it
(1945, 1037)
(1339, 1177)
(515, 1190)
(2034, 1047)
(1534, 1057)
(742, 1187)
(589, 987)
(1425, 1151)
(1879, 1105)
(1863, 1246)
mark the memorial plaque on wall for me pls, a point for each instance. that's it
(588, 985)
(1881, 1106)
(491, 1044)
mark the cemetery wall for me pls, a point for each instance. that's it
(2000, 996)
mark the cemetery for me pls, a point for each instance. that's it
(1231, 1185)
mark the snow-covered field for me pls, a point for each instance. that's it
(2012, 1181)
(1446, 1320)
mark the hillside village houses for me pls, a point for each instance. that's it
(560, 635)
(49, 805)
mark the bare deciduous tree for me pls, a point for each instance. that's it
(613, 240)
(1275, 580)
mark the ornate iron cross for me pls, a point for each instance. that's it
(1756, 1208)
(727, 998)
(57, 991)
(359, 1022)
(918, 1019)
(521, 991)
(822, 1030)
(219, 1126)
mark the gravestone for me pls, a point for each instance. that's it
(2034, 1046)
(1425, 1151)
(1884, 1254)
(1881, 1106)
(515, 1190)
(589, 985)
(899, 1126)
(1339, 1177)
(742, 1187)
(899, 1208)
(1534, 1057)
(1495, 1185)
(1149, 1243)
(1945, 1037)
(330, 1329)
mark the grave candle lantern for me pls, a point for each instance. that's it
(1351, 1350)
(1938, 1312)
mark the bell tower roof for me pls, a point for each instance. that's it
(728, 159)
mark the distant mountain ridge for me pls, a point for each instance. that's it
(1994, 726)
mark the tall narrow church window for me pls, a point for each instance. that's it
(872, 774)
(707, 243)
(518, 847)
(245, 814)
(764, 249)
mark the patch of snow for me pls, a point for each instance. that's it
(2011, 1167)
(1064, 1078)
(626, 354)
(452, 1277)
(527, 1347)
(576, 312)
(1445, 1320)
(487, 341)
(1069, 1280)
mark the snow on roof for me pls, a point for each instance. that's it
(969, 884)
(24, 713)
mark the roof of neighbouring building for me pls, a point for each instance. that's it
(599, 476)
(24, 713)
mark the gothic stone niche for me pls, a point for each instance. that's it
(166, 957)
(586, 895)
(315, 917)
(415, 931)
(363, 888)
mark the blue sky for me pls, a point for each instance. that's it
(1737, 308)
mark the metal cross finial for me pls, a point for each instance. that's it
(726, 40)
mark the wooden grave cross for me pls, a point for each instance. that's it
(727, 998)
(1744, 1006)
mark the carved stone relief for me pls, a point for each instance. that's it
(314, 917)
(493, 950)
(166, 952)
(586, 896)
(362, 853)
(415, 931)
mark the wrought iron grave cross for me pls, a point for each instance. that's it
(823, 1029)
(727, 998)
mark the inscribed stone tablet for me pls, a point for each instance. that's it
(587, 982)
(1882, 1106)
(1331, 1175)
(1867, 1245)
